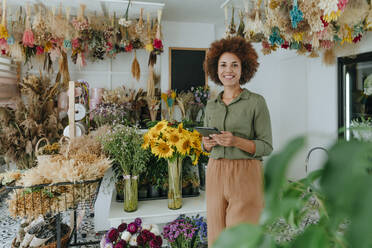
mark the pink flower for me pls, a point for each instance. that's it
(75, 43)
(158, 44)
(357, 38)
(121, 244)
(325, 24)
(265, 44)
(285, 45)
(113, 235)
(132, 228)
(122, 227)
(342, 4)
(39, 50)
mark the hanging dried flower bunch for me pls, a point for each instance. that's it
(48, 33)
(136, 70)
(310, 26)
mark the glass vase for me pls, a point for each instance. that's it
(130, 193)
(175, 183)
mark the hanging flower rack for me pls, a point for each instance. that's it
(43, 33)
(309, 27)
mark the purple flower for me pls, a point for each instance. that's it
(138, 222)
(113, 235)
(122, 227)
(132, 228)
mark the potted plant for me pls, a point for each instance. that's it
(123, 145)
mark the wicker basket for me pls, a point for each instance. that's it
(64, 240)
(38, 150)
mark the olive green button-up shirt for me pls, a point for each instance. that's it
(247, 116)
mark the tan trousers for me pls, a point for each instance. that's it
(234, 194)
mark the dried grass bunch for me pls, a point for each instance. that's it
(83, 160)
(34, 117)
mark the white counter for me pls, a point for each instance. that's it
(156, 211)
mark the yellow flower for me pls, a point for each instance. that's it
(160, 126)
(3, 32)
(153, 134)
(196, 144)
(298, 36)
(173, 94)
(162, 150)
(333, 16)
(197, 155)
(149, 47)
(173, 138)
(146, 141)
(164, 97)
(48, 46)
(184, 146)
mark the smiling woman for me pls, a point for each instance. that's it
(234, 176)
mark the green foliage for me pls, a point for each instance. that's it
(343, 198)
(123, 145)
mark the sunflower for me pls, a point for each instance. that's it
(181, 130)
(195, 142)
(160, 126)
(173, 138)
(184, 146)
(162, 150)
(196, 160)
(146, 141)
(153, 134)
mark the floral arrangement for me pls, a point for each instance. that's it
(47, 35)
(129, 100)
(309, 27)
(134, 234)
(169, 99)
(201, 96)
(187, 232)
(123, 145)
(172, 141)
(111, 114)
(35, 117)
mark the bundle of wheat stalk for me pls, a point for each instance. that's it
(34, 117)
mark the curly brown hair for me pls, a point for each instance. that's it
(238, 46)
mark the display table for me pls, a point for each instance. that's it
(156, 211)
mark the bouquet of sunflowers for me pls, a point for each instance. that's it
(170, 141)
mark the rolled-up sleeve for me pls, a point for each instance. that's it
(262, 129)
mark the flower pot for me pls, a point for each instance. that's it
(130, 193)
(175, 183)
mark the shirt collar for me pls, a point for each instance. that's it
(243, 95)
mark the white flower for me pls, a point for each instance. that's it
(146, 227)
(328, 6)
(133, 240)
(126, 236)
(155, 230)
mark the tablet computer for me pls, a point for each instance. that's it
(206, 131)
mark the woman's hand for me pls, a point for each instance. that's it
(208, 143)
(225, 139)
